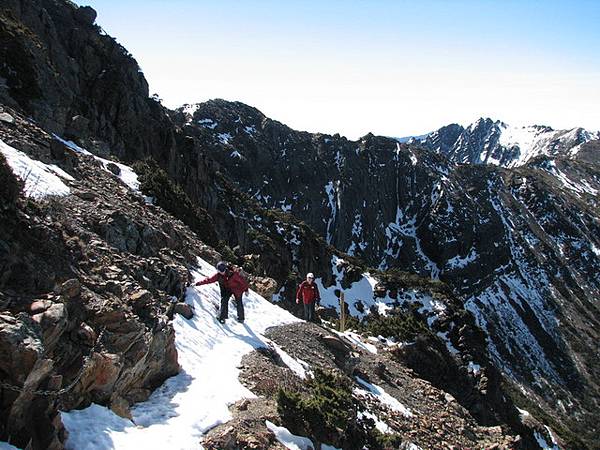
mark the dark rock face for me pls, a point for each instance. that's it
(99, 98)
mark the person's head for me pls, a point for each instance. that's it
(310, 277)
(221, 266)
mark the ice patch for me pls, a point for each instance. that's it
(329, 189)
(541, 441)
(7, 446)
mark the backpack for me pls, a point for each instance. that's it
(242, 273)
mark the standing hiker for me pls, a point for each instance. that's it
(230, 282)
(308, 293)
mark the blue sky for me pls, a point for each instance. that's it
(390, 67)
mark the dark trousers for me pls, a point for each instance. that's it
(225, 296)
(309, 312)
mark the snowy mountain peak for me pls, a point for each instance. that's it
(488, 141)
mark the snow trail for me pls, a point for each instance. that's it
(186, 406)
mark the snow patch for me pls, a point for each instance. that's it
(224, 138)
(7, 446)
(289, 440)
(361, 290)
(40, 179)
(460, 262)
(207, 123)
(383, 397)
(379, 424)
(126, 174)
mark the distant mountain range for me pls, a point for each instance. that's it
(488, 141)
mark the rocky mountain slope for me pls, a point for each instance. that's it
(494, 142)
(518, 247)
(93, 274)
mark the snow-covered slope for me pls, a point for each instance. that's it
(178, 413)
(494, 142)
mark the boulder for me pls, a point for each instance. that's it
(113, 168)
(71, 288)
(86, 334)
(54, 322)
(122, 233)
(264, 286)
(184, 309)
(20, 345)
(335, 343)
(6, 118)
(140, 298)
(86, 195)
(39, 306)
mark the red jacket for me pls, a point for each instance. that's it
(308, 293)
(230, 280)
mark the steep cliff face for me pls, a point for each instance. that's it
(74, 80)
(77, 82)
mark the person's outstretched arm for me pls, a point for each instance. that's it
(209, 280)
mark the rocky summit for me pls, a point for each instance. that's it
(467, 258)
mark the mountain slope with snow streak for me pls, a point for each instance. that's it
(177, 415)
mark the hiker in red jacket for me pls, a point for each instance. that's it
(308, 293)
(230, 282)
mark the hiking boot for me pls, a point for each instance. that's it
(220, 319)
(241, 320)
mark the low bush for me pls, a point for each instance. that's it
(329, 414)
(400, 327)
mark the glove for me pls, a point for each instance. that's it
(199, 283)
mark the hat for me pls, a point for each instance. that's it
(310, 275)
(222, 266)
